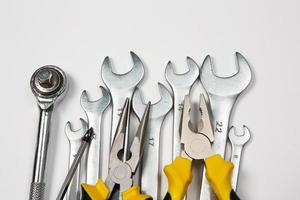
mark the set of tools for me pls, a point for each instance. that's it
(108, 166)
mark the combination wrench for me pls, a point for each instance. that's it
(93, 111)
(223, 93)
(181, 85)
(48, 85)
(121, 86)
(150, 164)
(75, 139)
(237, 143)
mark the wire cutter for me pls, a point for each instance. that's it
(196, 145)
(121, 170)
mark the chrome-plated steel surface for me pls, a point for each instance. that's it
(222, 92)
(121, 86)
(48, 84)
(237, 144)
(150, 164)
(120, 171)
(181, 85)
(196, 144)
(75, 138)
(86, 139)
(93, 111)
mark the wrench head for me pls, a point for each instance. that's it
(158, 109)
(182, 80)
(239, 139)
(78, 134)
(225, 86)
(97, 106)
(123, 81)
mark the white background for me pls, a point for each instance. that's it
(77, 35)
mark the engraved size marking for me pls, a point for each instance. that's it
(180, 106)
(219, 126)
(151, 141)
(236, 156)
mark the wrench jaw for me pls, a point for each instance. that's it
(239, 139)
(76, 135)
(158, 109)
(126, 80)
(184, 80)
(97, 106)
(226, 86)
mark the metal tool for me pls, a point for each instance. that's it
(222, 92)
(48, 84)
(196, 145)
(150, 165)
(237, 144)
(93, 111)
(121, 86)
(75, 138)
(120, 171)
(181, 85)
(84, 144)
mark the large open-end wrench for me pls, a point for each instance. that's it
(237, 144)
(223, 93)
(121, 86)
(48, 84)
(93, 111)
(181, 85)
(150, 164)
(75, 139)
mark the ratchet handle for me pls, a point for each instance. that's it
(37, 191)
(218, 173)
(134, 193)
(179, 174)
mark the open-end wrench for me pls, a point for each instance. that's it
(121, 86)
(237, 143)
(75, 139)
(181, 85)
(223, 93)
(93, 111)
(48, 84)
(150, 164)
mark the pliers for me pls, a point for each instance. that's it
(121, 170)
(196, 145)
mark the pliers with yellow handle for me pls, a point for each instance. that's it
(196, 145)
(121, 169)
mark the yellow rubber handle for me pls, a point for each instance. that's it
(133, 193)
(218, 173)
(95, 192)
(179, 174)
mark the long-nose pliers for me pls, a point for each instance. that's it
(121, 171)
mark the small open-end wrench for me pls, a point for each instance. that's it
(93, 111)
(121, 86)
(75, 139)
(237, 144)
(181, 85)
(150, 163)
(48, 84)
(223, 93)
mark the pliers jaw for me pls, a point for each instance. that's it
(196, 145)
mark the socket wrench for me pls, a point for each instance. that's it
(48, 85)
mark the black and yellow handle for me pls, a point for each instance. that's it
(218, 173)
(101, 192)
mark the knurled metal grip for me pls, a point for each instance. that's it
(37, 191)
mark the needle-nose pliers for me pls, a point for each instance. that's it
(120, 170)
